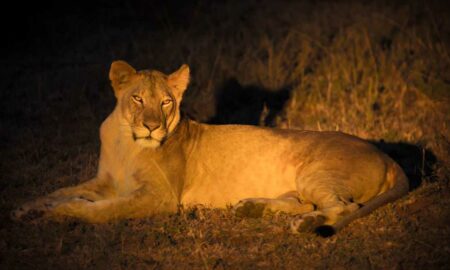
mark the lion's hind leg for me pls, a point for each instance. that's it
(326, 215)
(258, 207)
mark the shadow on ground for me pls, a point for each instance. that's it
(248, 105)
(416, 162)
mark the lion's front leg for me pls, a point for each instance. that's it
(140, 203)
(77, 203)
(90, 191)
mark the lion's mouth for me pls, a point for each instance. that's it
(148, 140)
(136, 137)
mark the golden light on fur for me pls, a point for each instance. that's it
(151, 161)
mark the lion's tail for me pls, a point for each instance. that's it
(400, 188)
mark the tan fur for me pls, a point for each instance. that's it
(151, 160)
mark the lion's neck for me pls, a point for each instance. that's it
(184, 136)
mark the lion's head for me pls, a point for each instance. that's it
(149, 101)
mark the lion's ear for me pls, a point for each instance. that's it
(120, 73)
(179, 81)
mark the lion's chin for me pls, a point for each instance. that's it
(148, 142)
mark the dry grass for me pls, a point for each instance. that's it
(378, 70)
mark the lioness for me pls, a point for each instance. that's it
(152, 160)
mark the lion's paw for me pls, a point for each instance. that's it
(32, 211)
(27, 214)
(250, 209)
(33, 214)
(307, 223)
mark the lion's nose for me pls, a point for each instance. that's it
(152, 126)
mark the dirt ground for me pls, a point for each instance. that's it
(376, 69)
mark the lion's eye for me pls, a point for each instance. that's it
(137, 98)
(166, 102)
